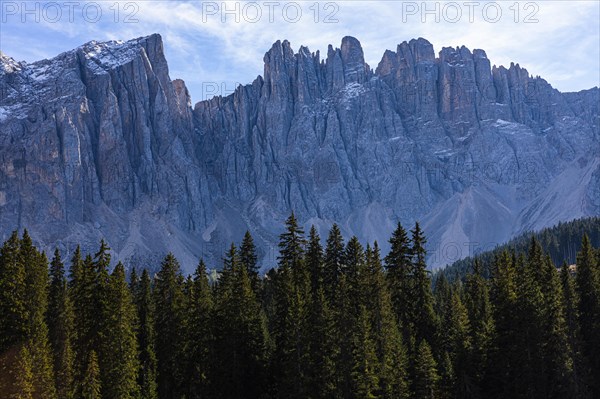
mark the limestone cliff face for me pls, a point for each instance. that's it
(99, 142)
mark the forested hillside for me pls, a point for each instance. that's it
(334, 320)
(562, 242)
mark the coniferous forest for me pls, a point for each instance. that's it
(562, 242)
(335, 319)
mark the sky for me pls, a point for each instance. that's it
(215, 45)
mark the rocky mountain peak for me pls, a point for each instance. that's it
(355, 68)
(478, 53)
(109, 146)
(9, 65)
(421, 49)
(101, 57)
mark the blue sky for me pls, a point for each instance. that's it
(214, 45)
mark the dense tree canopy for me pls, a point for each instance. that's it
(333, 320)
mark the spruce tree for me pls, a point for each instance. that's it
(344, 310)
(239, 338)
(199, 337)
(456, 343)
(424, 318)
(399, 274)
(570, 305)
(99, 311)
(365, 370)
(442, 294)
(442, 304)
(60, 327)
(14, 312)
(348, 300)
(229, 260)
(503, 356)
(479, 310)
(91, 387)
(447, 384)
(134, 283)
(85, 335)
(75, 271)
(249, 259)
(291, 254)
(557, 352)
(333, 261)
(314, 261)
(291, 357)
(101, 275)
(146, 337)
(389, 348)
(425, 380)
(355, 266)
(322, 348)
(588, 290)
(170, 328)
(36, 282)
(530, 370)
(121, 365)
(24, 379)
(321, 327)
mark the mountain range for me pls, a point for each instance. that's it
(100, 142)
